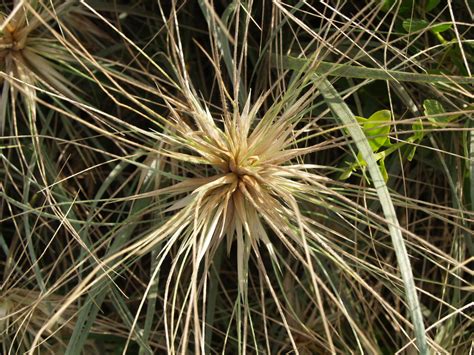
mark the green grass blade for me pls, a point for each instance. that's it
(471, 166)
(223, 40)
(212, 297)
(357, 72)
(347, 118)
(91, 307)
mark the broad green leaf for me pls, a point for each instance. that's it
(360, 119)
(387, 4)
(414, 25)
(418, 131)
(377, 129)
(417, 136)
(441, 27)
(405, 7)
(431, 4)
(434, 111)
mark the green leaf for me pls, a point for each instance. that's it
(360, 119)
(431, 4)
(441, 27)
(417, 136)
(387, 4)
(434, 111)
(418, 131)
(405, 7)
(377, 129)
(414, 25)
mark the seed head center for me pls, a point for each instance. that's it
(9, 39)
(246, 171)
(236, 168)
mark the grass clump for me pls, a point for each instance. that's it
(241, 177)
(33, 52)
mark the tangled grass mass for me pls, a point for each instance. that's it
(213, 176)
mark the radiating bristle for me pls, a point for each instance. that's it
(235, 177)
